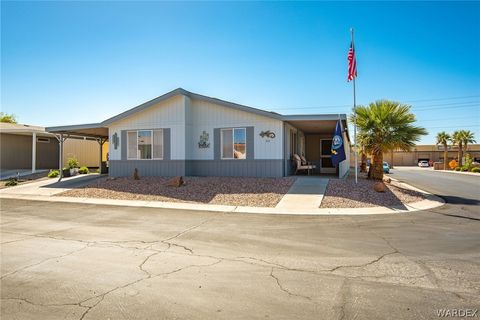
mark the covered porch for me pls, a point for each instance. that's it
(311, 136)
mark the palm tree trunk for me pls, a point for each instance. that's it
(460, 154)
(363, 165)
(377, 171)
(391, 160)
(445, 156)
(370, 168)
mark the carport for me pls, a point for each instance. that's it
(312, 135)
(92, 131)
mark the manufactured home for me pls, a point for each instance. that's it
(186, 134)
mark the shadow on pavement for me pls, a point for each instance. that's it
(76, 182)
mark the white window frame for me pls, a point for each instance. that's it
(233, 143)
(152, 143)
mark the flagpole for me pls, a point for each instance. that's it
(354, 119)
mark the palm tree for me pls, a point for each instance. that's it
(457, 140)
(444, 138)
(467, 137)
(386, 124)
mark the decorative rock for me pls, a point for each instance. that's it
(135, 174)
(176, 182)
(387, 180)
(379, 186)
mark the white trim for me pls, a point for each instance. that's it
(151, 143)
(233, 143)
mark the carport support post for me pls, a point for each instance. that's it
(100, 142)
(34, 151)
(60, 160)
(60, 139)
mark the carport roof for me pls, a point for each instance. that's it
(94, 130)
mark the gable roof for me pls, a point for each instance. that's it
(191, 95)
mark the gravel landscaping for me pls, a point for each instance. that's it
(237, 191)
(343, 193)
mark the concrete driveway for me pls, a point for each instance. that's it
(78, 261)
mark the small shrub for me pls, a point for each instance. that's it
(464, 169)
(11, 182)
(453, 164)
(476, 170)
(53, 173)
(468, 162)
(72, 163)
(457, 169)
(83, 170)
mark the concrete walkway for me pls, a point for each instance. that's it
(305, 194)
(51, 187)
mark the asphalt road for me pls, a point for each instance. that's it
(79, 261)
(460, 191)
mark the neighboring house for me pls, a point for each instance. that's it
(429, 152)
(31, 147)
(186, 134)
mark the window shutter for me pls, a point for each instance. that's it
(166, 144)
(216, 144)
(123, 145)
(250, 143)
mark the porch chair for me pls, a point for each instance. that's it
(299, 166)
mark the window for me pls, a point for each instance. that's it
(43, 140)
(145, 144)
(234, 143)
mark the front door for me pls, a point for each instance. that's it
(326, 156)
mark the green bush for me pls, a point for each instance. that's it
(476, 170)
(53, 173)
(457, 169)
(464, 169)
(83, 170)
(11, 182)
(72, 163)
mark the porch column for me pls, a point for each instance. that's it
(34, 151)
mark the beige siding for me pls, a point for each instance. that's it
(208, 116)
(167, 114)
(16, 152)
(85, 151)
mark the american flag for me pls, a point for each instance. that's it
(352, 63)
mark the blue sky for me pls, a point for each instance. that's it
(82, 62)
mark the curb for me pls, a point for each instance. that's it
(431, 201)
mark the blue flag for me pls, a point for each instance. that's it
(338, 149)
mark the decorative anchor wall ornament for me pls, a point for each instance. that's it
(268, 134)
(115, 140)
(203, 143)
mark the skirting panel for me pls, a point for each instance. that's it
(215, 168)
(236, 168)
(147, 168)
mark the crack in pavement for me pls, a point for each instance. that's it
(284, 289)
(44, 260)
(149, 276)
(364, 264)
(343, 298)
